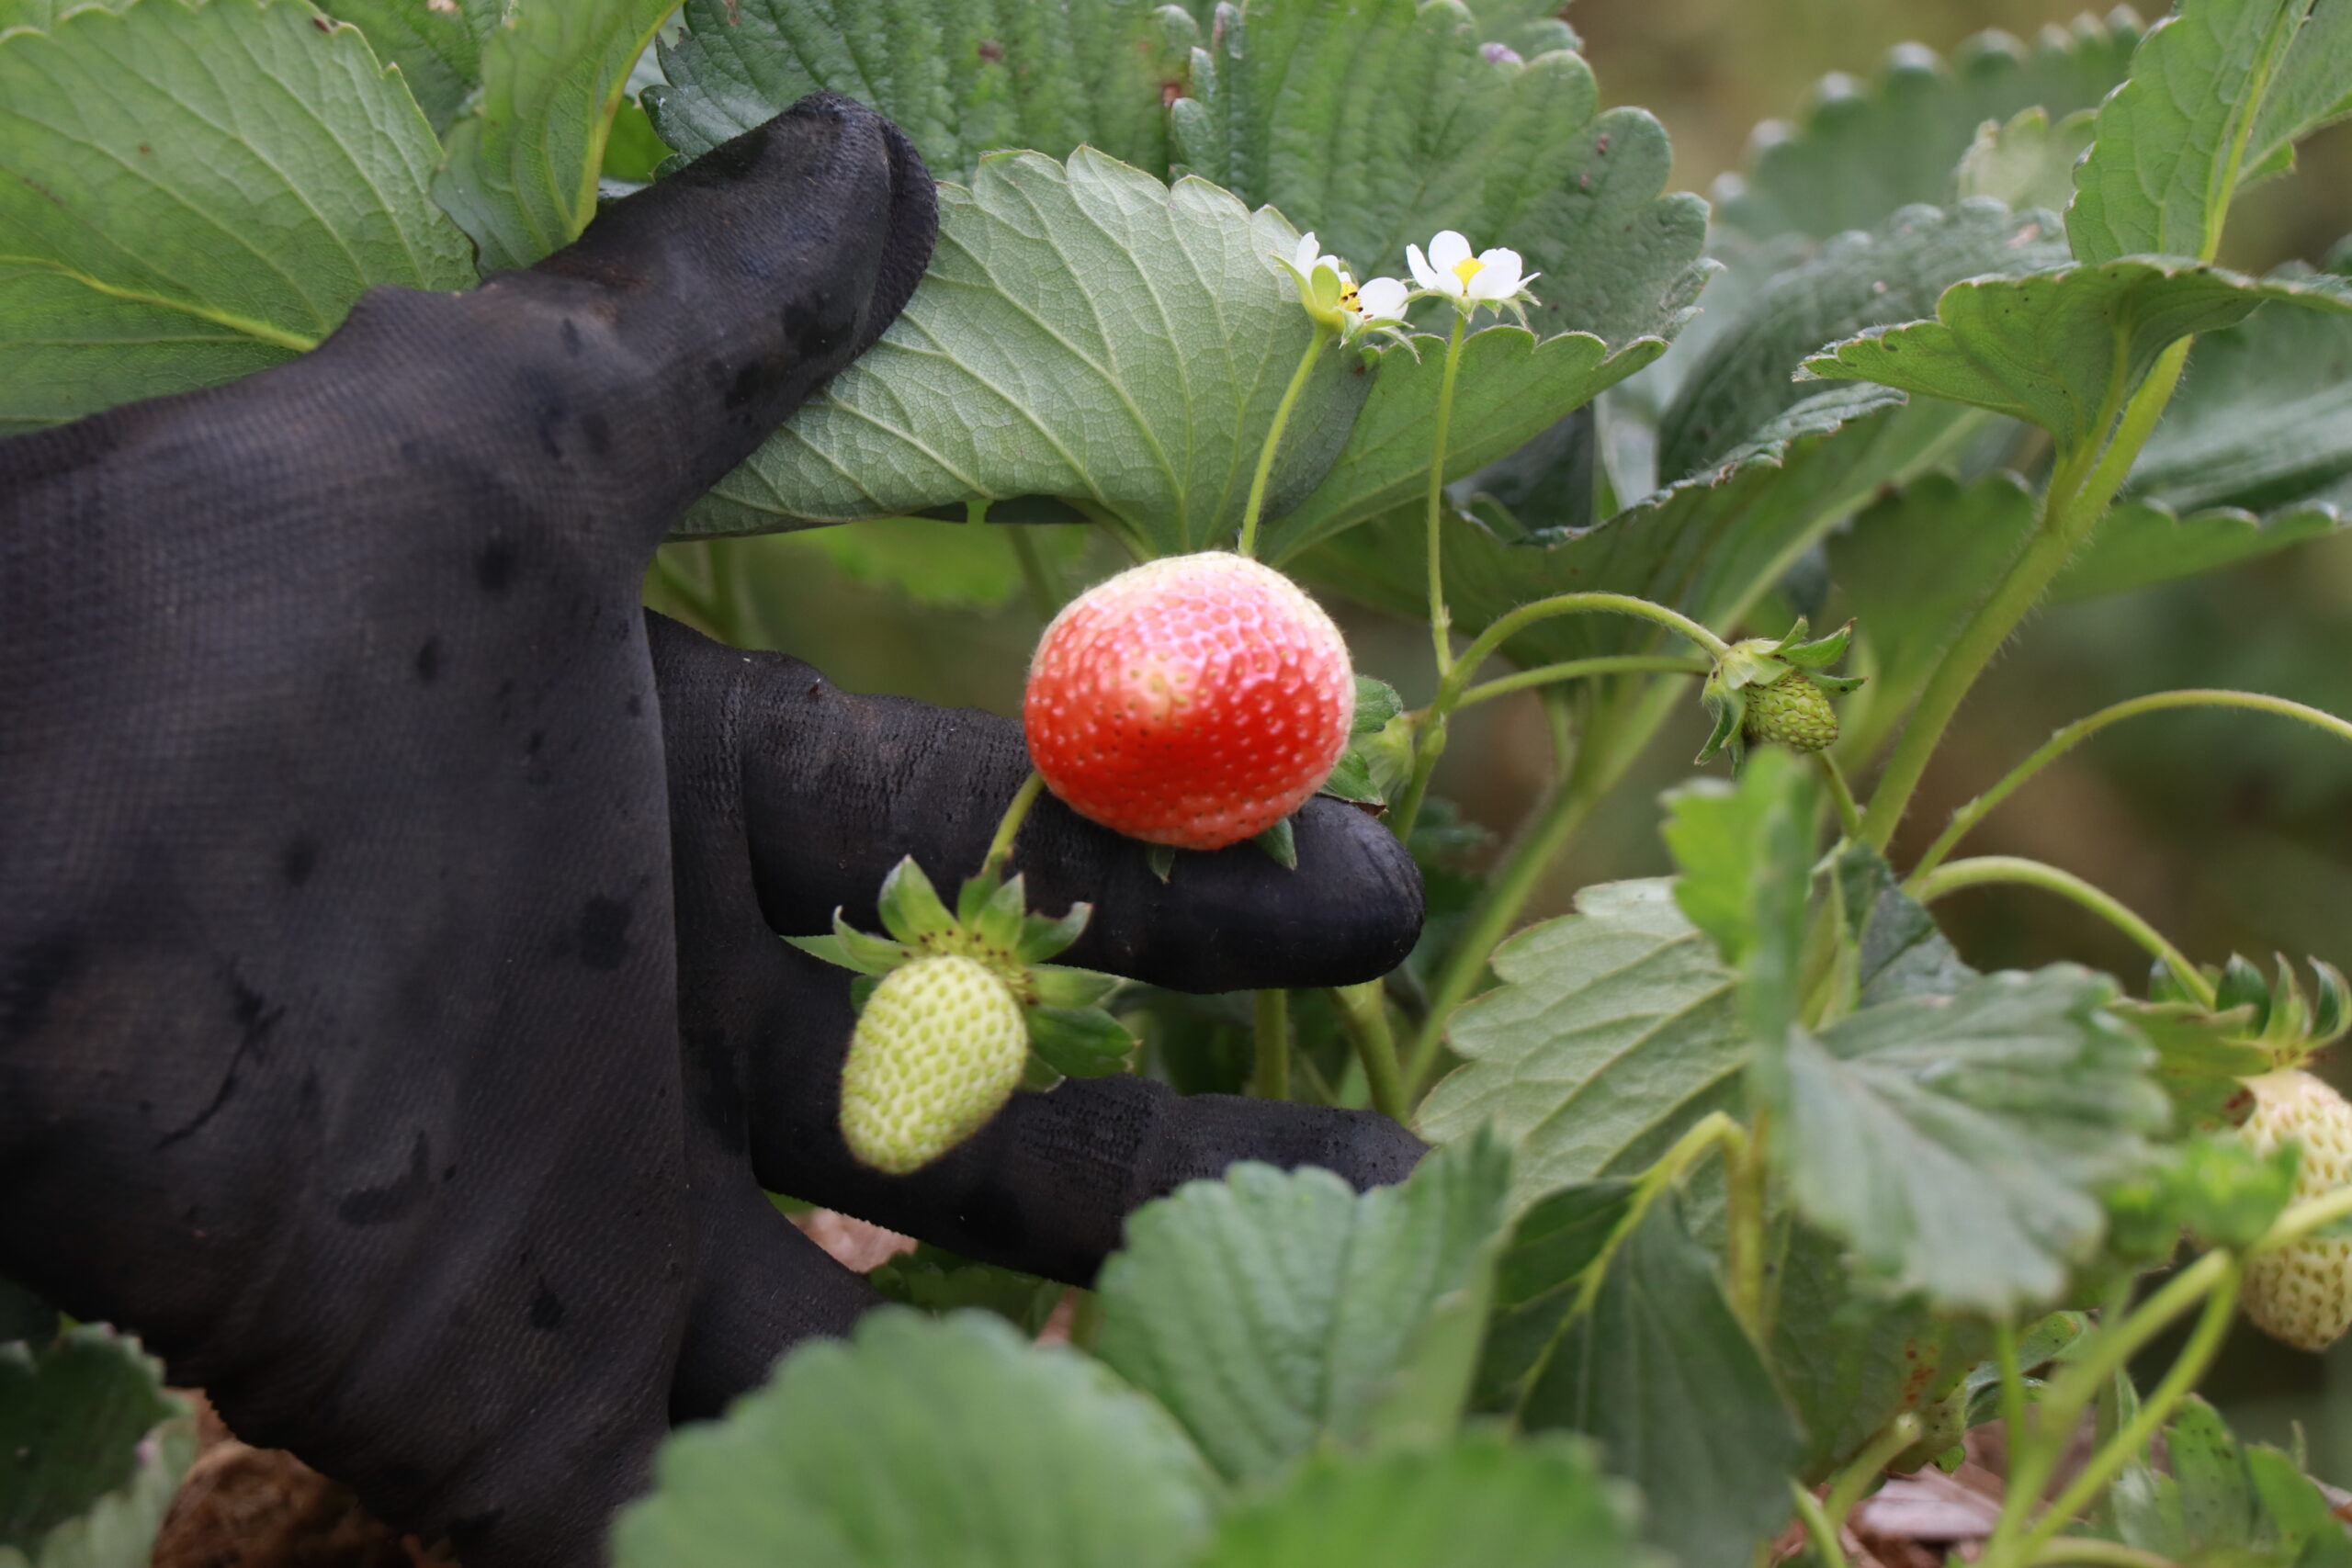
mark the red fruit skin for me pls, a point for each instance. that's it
(1195, 701)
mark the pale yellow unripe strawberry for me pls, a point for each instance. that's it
(938, 1051)
(2302, 1295)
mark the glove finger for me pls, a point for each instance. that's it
(1047, 1185)
(739, 284)
(837, 787)
(765, 1288)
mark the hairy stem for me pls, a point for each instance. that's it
(1854, 1481)
(1986, 871)
(1579, 668)
(1964, 820)
(1601, 761)
(1008, 827)
(1819, 1527)
(1441, 618)
(2195, 1357)
(2080, 490)
(1247, 543)
(1841, 794)
(1364, 1013)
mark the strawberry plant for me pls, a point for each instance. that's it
(1749, 1187)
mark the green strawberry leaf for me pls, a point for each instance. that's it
(521, 171)
(1958, 1145)
(1078, 1042)
(2026, 162)
(1481, 1498)
(1863, 150)
(1899, 951)
(925, 1474)
(1513, 388)
(96, 1447)
(2312, 87)
(1613, 1029)
(437, 48)
(1851, 1360)
(933, 1279)
(1378, 124)
(1746, 854)
(961, 77)
(1272, 1307)
(1711, 545)
(2263, 418)
(1741, 379)
(136, 148)
(2175, 142)
(2140, 544)
(2225, 1501)
(1377, 704)
(1914, 566)
(910, 906)
(2063, 349)
(24, 1315)
(1660, 1372)
(1085, 333)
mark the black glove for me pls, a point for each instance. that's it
(391, 1028)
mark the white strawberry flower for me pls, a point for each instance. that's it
(1309, 255)
(1490, 278)
(1382, 299)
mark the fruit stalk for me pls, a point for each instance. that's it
(1247, 544)
(1270, 1011)
(1008, 827)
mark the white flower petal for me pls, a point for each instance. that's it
(1497, 277)
(1423, 274)
(1448, 251)
(1303, 257)
(1382, 299)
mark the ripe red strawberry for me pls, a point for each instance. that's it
(1193, 702)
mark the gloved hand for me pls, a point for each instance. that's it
(392, 1027)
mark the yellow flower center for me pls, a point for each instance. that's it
(1350, 299)
(1467, 268)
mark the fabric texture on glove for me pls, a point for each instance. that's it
(392, 1027)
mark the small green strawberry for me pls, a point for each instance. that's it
(1791, 711)
(2302, 1295)
(939, 1049)
(955, 1009)
(1778, 690)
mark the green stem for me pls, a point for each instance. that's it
(1841, 794)
(1046, 593)
(1853, 1482)
(1990, 870)
(2195, 1357)
(2305, 1217)
(1600, 763)
(1270, 1013)
(1364, 1013)
(1965, 819)
(1441, 618)
(2080, 490)
(1715, 1130)
(1577, 668)
(1745, 1172)
(2072, 1391)
(1248, 543)
(2089, 1551)
(1008, 827)
(2004, 1354)
(1818, 1526)
(1431, 741)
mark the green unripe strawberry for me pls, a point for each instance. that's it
(1793, 711)
(2302, 1295)
(938, 1051)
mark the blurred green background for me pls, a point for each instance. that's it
(2231, 833)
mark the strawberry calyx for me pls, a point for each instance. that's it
(1775, 689)
(1070, 1033)
(2278, 1019)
